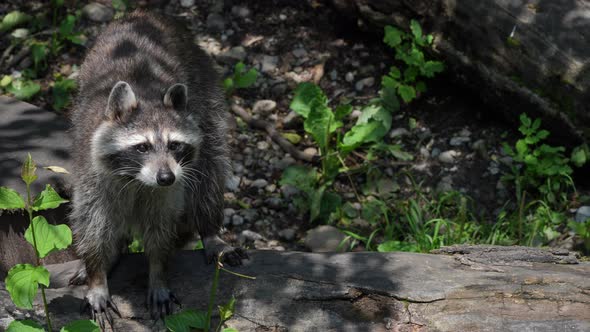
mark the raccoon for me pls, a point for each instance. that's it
(150, 154)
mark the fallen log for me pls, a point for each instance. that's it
(484, 288)
(519, 56)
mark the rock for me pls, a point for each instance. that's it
(334, 75)
(582, 214)
(250, 215)
(274, 202)
(398, 132)
(445, 184)
(349, 77)
(259, 183)
(264, 106)
(232, 183)
(459, 140)
(233, 55)
(480, 147)
(237, 220)
(289, 191)
(187, 3)
(250, 236)
(262, 145)
(287, 234)
(269, 63)
(311, 151)
(279, 89)
(215, 22)
(240, 11)
(20, 33)
(465, 132)
(355, 114)
(325, 238)
(448, 157)
(229, 212)
(299, 52)
(98, 12)
(365, 82)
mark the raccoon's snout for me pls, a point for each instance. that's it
(165, 177)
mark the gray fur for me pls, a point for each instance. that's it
(146, 80)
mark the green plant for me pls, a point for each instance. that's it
(24, 280)
(21, 88)
(409, 50)
(189, 319)
(538, 168)
(241, 78)
(62, 91)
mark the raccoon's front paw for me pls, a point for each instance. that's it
(215, 247)
(159, 302)
(80, 277)
(99, 302)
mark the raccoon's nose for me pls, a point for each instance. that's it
(165, 178)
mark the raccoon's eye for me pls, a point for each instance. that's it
(173, 146)
(142, 148)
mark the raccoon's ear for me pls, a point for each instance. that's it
(176, 97)
(121, 101)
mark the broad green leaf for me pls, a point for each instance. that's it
(6, 80)
(420, 86)
(393, 36)
(525, 120)
(67, 26)
(246, 79)
(23, 281)
(10, 199)
(39, 54)
(227, 310)
(579, 156)
(398, 153)
(407, 92)
(82, 325)
(48, 199)
(14, 19)
(342, 111)
(349, 210)
(394, 72)
(320, 123)
(28, 170)
(330, 202)
(62, 91)
(49, 237)
(375, 113)
(521, 147)
(410, 74)
(293, 138)
(26, 325)
(389, 99)
(432, 67)
(316, 202)
(228, 84)
(373, 211)
(303, 178)
(363, 133)
(186, 320)
(416, 29)
(305, 94)
(229, 329)
(23, 90)
(542, 134)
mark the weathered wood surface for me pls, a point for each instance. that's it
(494, 289)
(531, 56)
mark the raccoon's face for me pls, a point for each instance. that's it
(153, 144)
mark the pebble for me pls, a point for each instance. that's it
(289, 191)
(465, 132)
(448, 157)
(264, 106)
(274, 202)
(249, 214)
(240, 11)
(215, 22)
(237, 220)
(349, 77)
(262, 145)
(187, 3)
(459, 140)
(299, 52)
(445, 184)
(325, 238)
(365, 82)
(398, 132)
(282, 17)
(269, 63)
(288, 234)
(334, 75)
(259, 183)
(311, 151)
(250, 235)
(479, 145)
(234, 54)
(279, 89)
(98, 12)
(582, 214)
(435, 152)
(232, 183)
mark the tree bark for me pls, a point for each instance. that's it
(485, 288)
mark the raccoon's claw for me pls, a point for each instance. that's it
(215, 248)
(159, 302)
(99, 303)
(79, 278)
